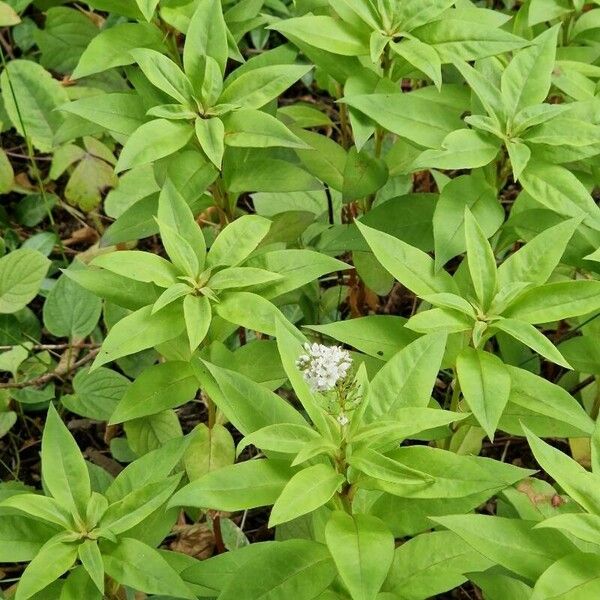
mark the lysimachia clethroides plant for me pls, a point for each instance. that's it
(180, 295)
(338, 469)
(483, 300)
(103, 533)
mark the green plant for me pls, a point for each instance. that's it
(309, 284)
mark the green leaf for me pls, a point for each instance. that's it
(544, 407)
(458, 39)
(63, 468)
(210, 449)
(237, 241)
(206, 36)
(526, 81)
(440, 320)
(407, 379)
(454, 476)
(471, 191)
(30, 97)
(21, 537)
(140, 330)
(96, 394)
(289, 438)
(431, 564)
(423, 119)
(40, 507)
(379, 336)
(249, 310)
(153, 467)
(211, 135)
(362, 548)
(512, 543)
(70, 310)
(164, 74)
(535, 262)
(147, 8)
(559, 190)
(152, 432)
(242, 486)
(257, 87)
(118, 112)
(573, 576)
(249, 128)
(556, 301)
(485, 383)
(481, 261)
(54, 559)
(153, 140)
(326, 33)
(240, 277)
(136, 506)
(65, 36)
(306, 491)
(170, 295)
(134, 564)
(530, 336)
(410, 266)
(197, 314)
(231, 395)
(175, 212)
(91, 559)
(21, 274)
(112, 47)
(325, 159)
(299, 569)
(411, 422)
(115, 288)
(580, 484)
(7, 175)
(421, 56)
(8, 15)
(463, 148)
(138, 265)
(581, 525)
(519, 155)
(159, 387)
(180, 251)
(363, 175)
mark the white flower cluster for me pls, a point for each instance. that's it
(323, 366)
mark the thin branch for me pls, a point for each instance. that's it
(52, 346)
(59, 373)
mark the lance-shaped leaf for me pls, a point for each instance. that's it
(362, 548)
(556, 301)
(407, 379)
(242, 486)
(580, 484)
(140, 330)
(485, 383)
(305, 492)
(326, 33)
(481, 261)
(206, 36)
(409, 265)
(54, 559)
(141, 567)
(63, 468)
(163, 73)
(153, 140)
(526, 81)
